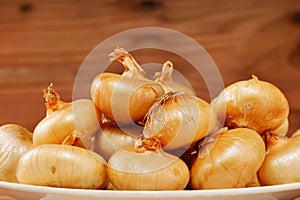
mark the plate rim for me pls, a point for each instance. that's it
(163, 193)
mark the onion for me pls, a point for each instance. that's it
(124, 99)
(15, 141)
(229, 159)
(179, 119)
(147, 167)
(62, 166)
(254, 104)
(111, 138)
(281, 164)
(165, 79)
(67, 123)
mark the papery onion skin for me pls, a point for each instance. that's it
(79, 115)
(63, 166)
(281, 164)
(228, 160)
(179, 119)
(254, 104)
(111, 138)
(149, 170)
(15, 141)
(165, 78)
(124, 100)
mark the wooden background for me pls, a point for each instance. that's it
(43, 41)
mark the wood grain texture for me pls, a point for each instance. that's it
(47, 41)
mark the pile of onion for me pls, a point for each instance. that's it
(136, 133)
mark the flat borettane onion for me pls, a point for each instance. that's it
(227, 163)
(254, 104)
(147, 167)
(179, 120)
(65, 166)
(157, 117)
(126, 98)
(281, 164)
(166, 80)
(66, 122)
(15, 141)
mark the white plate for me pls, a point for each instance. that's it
(29, 192)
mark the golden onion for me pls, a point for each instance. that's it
(281, 164)
(254, 104)
(179, 120)
(15, 141)
(66, 122)
(147, 169)
(124, 99)
(229, 159)
(66, 166)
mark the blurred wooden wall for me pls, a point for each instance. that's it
(46, 41)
